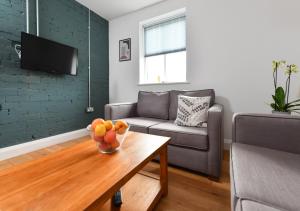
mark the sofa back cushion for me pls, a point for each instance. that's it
(153, 105)
(198, 93)
(274, 131)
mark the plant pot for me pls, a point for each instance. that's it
(281, 112)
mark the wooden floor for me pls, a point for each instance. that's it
(187, 190)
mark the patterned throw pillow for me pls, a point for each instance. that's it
(192, 111)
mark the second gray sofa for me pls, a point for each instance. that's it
(194, 148)
(265, 163)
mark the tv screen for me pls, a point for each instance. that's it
(45, 55)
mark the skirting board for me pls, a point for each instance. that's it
(20, 149)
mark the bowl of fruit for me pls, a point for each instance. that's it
(108, 135)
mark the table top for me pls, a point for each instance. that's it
(75, 177)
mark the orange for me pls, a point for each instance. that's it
(96, 122)
(108, 124)
(121, 124)
(100, 130)
(121, 130)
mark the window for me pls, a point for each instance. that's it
(163, 58)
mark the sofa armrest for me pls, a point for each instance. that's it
(120, 110)
(215, 130)
(280, 132)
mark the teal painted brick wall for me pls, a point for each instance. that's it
(35, 105)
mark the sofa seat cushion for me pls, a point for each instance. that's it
(189, 137)
(248, 205)
(265, 176)
(142, 124)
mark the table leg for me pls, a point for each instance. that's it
(164, 170)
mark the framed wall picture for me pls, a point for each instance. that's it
(125, 50)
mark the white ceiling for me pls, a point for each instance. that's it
(110, 9)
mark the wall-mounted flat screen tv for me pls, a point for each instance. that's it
(45, 55)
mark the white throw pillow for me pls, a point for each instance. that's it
(192, 111)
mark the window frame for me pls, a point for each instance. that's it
(156, 20)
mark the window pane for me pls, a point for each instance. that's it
(154, 69)
(176, 67)
(165, 37)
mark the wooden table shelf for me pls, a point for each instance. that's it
(140, 193)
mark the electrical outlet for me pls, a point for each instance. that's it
(90, 109)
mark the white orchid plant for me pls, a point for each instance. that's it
(281, 97)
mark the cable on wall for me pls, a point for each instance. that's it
(89, 109)
(27, 16)
(37, 19)
(17, 47)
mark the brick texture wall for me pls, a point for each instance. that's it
(34, 104)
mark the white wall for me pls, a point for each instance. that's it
(230, 47)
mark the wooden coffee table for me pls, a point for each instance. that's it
(80, 178)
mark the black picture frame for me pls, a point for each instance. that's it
(125, 50)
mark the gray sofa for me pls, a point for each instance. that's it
(197, 149)
(265, 163)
